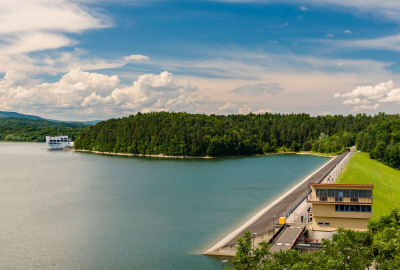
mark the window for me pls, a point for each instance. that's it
(354, 200)
(327, 224)
(353, 208)
(320, 223)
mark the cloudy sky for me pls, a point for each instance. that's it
(87, 59)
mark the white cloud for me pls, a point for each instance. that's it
(262, 111)
(347, 31)
(61, 16)
(228, 107)
(356, 101)
(244, 110)
(383, 9)
(369, 92)
(259, 88)
(39, 26)
(365, 107)
(136, 57)
(329, 35)
(382, 92)
(303, 8)
(392, 96)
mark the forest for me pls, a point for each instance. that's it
(36, 130)
(185, 134)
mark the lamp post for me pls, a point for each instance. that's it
(223, 263)
(254, 235)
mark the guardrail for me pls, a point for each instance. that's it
(304, 196)
(270, 241)
(338, 200)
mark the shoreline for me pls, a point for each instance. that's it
(233, 234)
(197, 157)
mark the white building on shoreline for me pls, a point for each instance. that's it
(58, 142)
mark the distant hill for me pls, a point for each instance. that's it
(28, 116)
(18, 115)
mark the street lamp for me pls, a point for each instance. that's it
(223, 263)
(254, 235)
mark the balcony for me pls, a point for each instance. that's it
(339, 200)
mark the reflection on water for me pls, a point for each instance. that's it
(68, 210)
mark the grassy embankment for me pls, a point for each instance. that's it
(362, 170)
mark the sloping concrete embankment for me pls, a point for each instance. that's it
(261, 223)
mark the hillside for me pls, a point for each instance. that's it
(18, 115)
(36, 130)
(362, 170)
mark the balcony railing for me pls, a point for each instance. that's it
(339, 200)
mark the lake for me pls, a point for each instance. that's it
(73, 210)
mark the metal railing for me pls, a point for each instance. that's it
(305, 194)
(339, 200)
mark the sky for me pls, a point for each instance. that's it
(95, 60)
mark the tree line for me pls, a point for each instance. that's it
(377, 248)
(184, 134)
(36, 130)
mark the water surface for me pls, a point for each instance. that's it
(69, 210)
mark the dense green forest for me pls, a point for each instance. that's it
(377, 248)
(219, 135)
(184, 134)
(36, 130)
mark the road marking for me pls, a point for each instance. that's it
(287, 244)
(279, 244)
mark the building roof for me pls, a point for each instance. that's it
(341, 185)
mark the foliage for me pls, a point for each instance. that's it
(184, 134)
(36, 130)
(379, 247)
(362, 170)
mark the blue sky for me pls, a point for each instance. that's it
(83, 60)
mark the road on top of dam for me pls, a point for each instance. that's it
(264, 222)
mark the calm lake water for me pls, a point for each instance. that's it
(68, 210)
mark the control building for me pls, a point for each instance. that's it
(340, 205)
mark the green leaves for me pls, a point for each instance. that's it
(379, 247)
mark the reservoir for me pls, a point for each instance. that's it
(73, 210)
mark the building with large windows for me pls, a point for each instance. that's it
(340, 205)
(58, 142)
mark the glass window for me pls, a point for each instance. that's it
(320, 223)
(327, 224)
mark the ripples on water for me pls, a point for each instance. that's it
(67, 210)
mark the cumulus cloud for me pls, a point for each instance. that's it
(83, 93)
(244, 110)
(347, 31)
(356, 101)
(365, 107)
(364, 95)
(329, 35)
(369, 92)
(228, 108)
(136, 57)
(259, 88)
(262, 111)
(392, 96)
(303, 8)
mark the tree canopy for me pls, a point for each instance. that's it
(378, 247)
(36, 130)
(184, 134)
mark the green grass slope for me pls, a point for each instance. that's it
(363, 170)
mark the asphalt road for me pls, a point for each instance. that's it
(264, 223)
